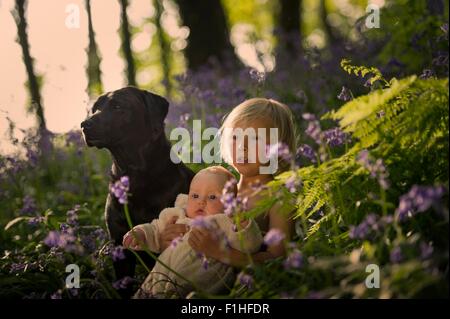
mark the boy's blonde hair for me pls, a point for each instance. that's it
(256, 108)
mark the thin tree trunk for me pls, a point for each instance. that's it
(126, 44)
(164, 48)
(289, 24)
(93, 71)
(33, 84)
(209, 37)
(332, 35)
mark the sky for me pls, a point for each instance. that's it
(60, 56)
(58, 47)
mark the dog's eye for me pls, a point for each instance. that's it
(116, 107)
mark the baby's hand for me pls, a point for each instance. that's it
(134, 241)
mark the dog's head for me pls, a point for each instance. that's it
(124, 116)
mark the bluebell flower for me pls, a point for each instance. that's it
(245, 280)
(335, 137)
(273, 237)
(417, 200)
(345, 95)
(293, 260)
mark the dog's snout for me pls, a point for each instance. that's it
(86, 124)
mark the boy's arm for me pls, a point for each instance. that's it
(237, 258)
(247, 239)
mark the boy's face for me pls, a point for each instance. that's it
(204, 195)
(242, 147)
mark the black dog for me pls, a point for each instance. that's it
(130, 123)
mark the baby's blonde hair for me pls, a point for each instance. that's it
(222, 171)
(278, 113)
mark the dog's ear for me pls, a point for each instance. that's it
(155, 105)
(102, 99)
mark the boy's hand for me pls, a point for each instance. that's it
(134, 241)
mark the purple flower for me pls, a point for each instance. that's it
(123, 283)
(184, 118)
(205, 262)
(381, 114)
(335, 137)
(52, 239)
(258, 77)
(65, 239)
(345, 95)
(245, 280)
(308, 152)
(359, 232)
(369, 226)
(34, 221)
(120, 188)
(174, 243)
(309, 117)
(417, 200)
(426, 250)
(368, 83)
(294, 260)
(426, 74)
(377, 169)
(280, 150)
(32, 157)
(396, 255)
(442, 59)
(273, 237)
(73, 292)
(201, 222)
(57, 294)
(313, 130)
(117, 253)
(125, 181)
(17, 267)
(302, 97)
(29, 205)
(444, 29)
(230, 201)
(292, 183)
(64, 228)
(89, 242)
(72, 217)
(100, 234)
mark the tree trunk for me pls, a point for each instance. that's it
(289, 26)
(209, 36)
(126, 44)
(333, 36)
(164, 48)
(33, 84)
(93, 71)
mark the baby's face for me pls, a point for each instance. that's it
(204, 195)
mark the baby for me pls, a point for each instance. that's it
(201, 208)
